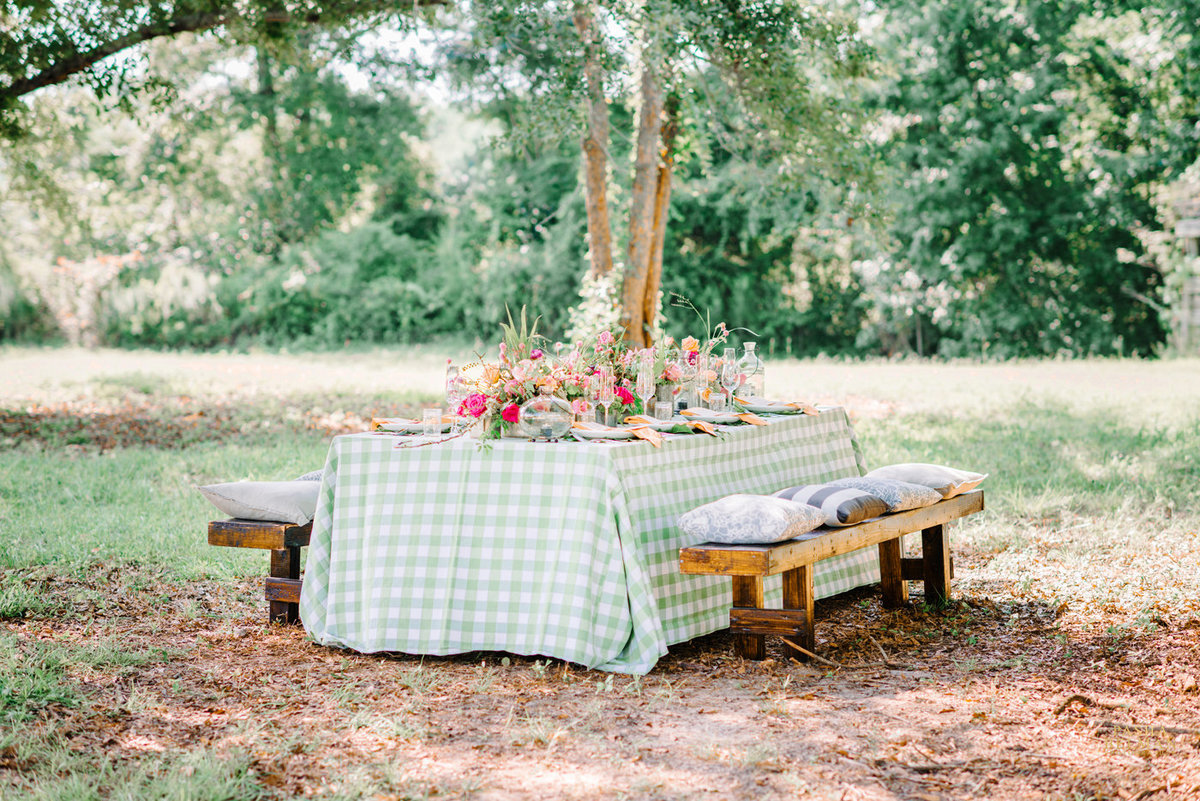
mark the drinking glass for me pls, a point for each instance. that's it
(645, 381)
(455, 392)
(606, 393)
(701, 380)
(731, 376)
(431, 422)
(663, 410)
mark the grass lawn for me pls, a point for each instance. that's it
(134, 661)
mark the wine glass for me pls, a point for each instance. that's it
(700, 381)
(455, 392)
(606, 393)
(731, 376)
(645, 382)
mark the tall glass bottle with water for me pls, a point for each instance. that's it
(752, 368)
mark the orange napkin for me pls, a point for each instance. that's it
(700, 425)
(650, 435)
(752, 418)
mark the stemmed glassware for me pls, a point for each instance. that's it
(645, 387)
(604, 391)
(455, 392)
(731, 376)
(700, 382)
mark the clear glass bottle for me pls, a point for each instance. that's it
(753, 369)
(546, 416)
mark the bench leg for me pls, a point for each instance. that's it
(748, 592)
(798, 594)
(935, 554)
(891, 576)
(285, 564)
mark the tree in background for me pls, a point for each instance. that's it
(777, 70)
(1030, 140)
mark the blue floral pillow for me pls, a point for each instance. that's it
(750, 519)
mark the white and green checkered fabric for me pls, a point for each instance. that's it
(568, 550)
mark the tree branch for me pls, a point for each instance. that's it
(79, 62)
(73, 64)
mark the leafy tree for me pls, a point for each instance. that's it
(47, 42)
(1030, 141)
(779, 69)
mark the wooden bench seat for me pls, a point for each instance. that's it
(748, 565)
(284, 541)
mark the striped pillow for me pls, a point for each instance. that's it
(842, 506)
(899, 496)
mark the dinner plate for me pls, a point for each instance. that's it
(768, 407)
(709, 416)
(606, 432)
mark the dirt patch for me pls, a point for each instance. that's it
(990, 698)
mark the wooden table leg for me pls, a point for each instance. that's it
(935, 553)
(748, 592)
(891, 577)
(798, 594)
(285, 563)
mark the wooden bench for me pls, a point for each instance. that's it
(749, 564)
(284, 541)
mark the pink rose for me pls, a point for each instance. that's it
(625, 396)
(672, 373)
(580, 406)
(474, 405)
(690, 344)
(511, 413)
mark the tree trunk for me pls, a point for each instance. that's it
(595, 143)
(642, 207)
(662, 205)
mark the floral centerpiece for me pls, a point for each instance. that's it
(528, 363)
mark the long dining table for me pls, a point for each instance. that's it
(563, 549)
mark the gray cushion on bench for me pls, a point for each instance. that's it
(283, 501)
(842, 506)
(749, 519)
(946, 480)
(900, 496)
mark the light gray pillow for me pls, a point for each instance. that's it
(750, 519)
(315, 475)
(946, 480)
(842, 506)
(282, 501)
(898, 495)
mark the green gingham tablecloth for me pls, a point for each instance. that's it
(563, 549)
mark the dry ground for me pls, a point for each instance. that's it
(1007, 694)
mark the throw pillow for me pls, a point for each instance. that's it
(283, 501)
(898, 495)
(750, 519)
(843, 506)
(946, 480)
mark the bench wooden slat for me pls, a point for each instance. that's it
(238, 533)
(774, 622)
(281, 590)
(913, 569)
(768, 560)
